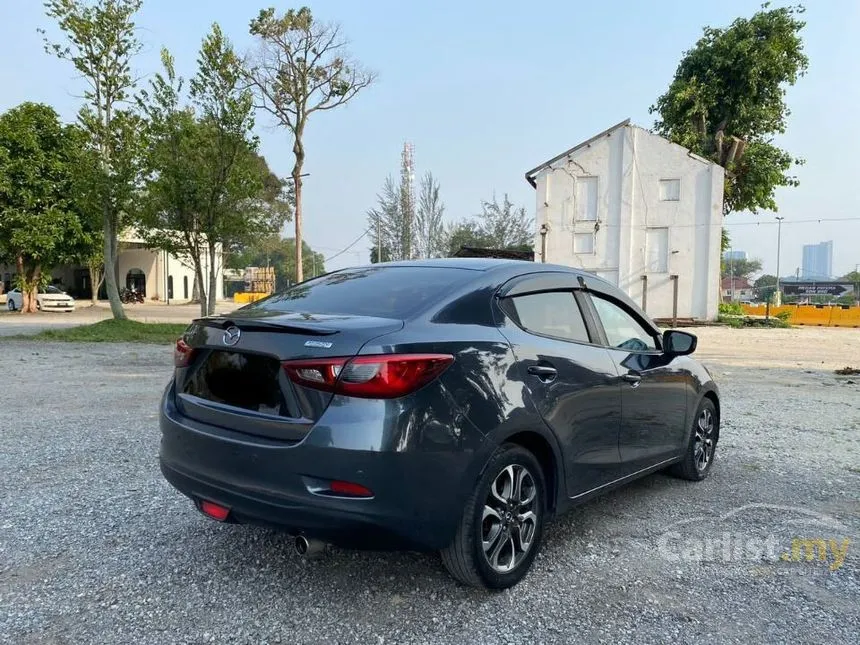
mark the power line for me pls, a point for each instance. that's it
(347, 248)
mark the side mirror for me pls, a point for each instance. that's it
(679, 343)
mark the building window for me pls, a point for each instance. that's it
(185, 287)
(670, 190)
(583, 243)
(586, 199)
(657, 250)
(169, 287)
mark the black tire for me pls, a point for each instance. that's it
(465, 557)
(11, 305)
(699, 454)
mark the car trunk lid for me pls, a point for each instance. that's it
(236, 380)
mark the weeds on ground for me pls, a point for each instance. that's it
(848, 371)
(738, 322)
(114, 331)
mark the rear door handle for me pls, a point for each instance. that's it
(545, 373)
(632, 378)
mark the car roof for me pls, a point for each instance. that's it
(509, 267)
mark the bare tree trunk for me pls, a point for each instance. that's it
(198, 280)
(96, 277)
(213, 278)
(30, 293)
(299, 152)
(111, 285)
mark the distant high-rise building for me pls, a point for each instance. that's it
(817, 261)
(734, 255)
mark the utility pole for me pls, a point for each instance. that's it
(778, 248)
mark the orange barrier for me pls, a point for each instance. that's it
(246, 297)
(812, 315)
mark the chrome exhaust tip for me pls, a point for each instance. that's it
(309, 548)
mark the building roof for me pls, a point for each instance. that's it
(507, 254)
(739, 283)
(530, 175)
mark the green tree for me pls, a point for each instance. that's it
(99, 40)
(207, 189)
(300, 67)
(40, 225)
(740, 268)
(727, 102)
(279, 253)
(851, 276)
(429, 228)
(767, 280)
(465, 233)
(386, 225)
(497, 226)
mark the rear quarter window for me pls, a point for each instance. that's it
(384, 292)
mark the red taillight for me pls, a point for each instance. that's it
(215, 511)
(182, 353)
(350, 489)
(384, 376)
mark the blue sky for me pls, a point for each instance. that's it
(487, 90)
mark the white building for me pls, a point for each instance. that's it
(639, 211)
(158, 274)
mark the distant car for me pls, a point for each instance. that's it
(48, 299)
(443, 404)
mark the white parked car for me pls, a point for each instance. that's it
(48, 299)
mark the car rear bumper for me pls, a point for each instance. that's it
(417, 497)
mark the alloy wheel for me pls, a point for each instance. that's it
(703, 448)
(509, 521)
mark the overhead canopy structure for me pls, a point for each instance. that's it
(506, 254)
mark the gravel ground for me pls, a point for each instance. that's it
(96, 548)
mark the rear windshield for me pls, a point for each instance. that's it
(384, 292)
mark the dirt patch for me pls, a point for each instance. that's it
(820, 348)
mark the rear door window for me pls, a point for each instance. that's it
(384, 292)
(550, 313)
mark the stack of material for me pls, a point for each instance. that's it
(260, 279)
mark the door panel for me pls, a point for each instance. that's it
(653, 387)
(572, 384)
(654, 408)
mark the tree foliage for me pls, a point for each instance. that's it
(280, 253)
(40, 223)
(740, 268)
(391, 230)
(429, 227)
(766, 280)
(300, 66)
(727, 103)
(385, 223)
(99, 40)
(497, 226)
(207, 189)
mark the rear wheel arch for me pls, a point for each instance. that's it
(549, 460)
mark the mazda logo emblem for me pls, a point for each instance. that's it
(231, 336)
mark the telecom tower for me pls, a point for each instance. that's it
(407, 197)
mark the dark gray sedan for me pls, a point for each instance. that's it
(448, 405)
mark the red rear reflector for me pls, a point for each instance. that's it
(350, 489)
(215, 511)
(384, 376)
(182, 354)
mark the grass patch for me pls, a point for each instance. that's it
(114, 331)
